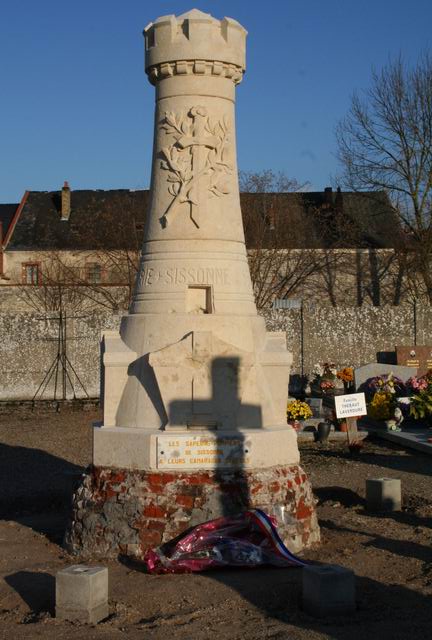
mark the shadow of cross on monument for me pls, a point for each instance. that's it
(215, 414)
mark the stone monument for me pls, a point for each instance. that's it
(195, 388)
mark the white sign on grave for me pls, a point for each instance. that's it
(350, 405)
(202, 452)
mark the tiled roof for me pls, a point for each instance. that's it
(7, 212)
(115, 219)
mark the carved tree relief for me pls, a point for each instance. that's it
(196, 161)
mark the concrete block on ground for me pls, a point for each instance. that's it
(82, 594)
(383, 494)
(328, 590)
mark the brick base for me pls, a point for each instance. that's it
(123, 511)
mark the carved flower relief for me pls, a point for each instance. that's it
(198, 160)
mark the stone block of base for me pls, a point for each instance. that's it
(82, 594)
(383, 494)
(328, 590)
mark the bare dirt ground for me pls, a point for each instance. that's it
(40, 455)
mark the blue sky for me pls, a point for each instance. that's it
(76, 105)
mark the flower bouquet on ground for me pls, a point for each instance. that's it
(297, 412)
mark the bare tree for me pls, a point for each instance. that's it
(280, 251)
(385, 143)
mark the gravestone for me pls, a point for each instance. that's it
(195, 388)
(415, 357)
(316, 405)
(367, 371)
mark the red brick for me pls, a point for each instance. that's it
(255, 488)
(117, 477)
(303, 511)
(150, 538)
(274, 487)
(185, 501)
(153, 511)
(200, 478)
(156, 525)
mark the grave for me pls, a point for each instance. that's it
(195, 388)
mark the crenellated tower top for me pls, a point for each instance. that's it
(195, 43)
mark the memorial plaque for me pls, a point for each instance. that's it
(202, 452)
(417, 356)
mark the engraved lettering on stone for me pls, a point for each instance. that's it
(196, 161)
(183, 275)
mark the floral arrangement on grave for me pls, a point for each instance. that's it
(384, 407)
(325, 378)
(421, 401)
(346, 374)
(297, 411)
(387, 383)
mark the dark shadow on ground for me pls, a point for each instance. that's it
(410, 461)
(33, 484)
(398, 547)
(346, 497)
(408, 514)
(377, 614)
(35, 588)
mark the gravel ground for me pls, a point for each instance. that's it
(41, 454)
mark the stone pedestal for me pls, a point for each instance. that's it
(125, 511)
(193, 384)
(383, 494)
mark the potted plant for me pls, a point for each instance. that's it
(346, 375)
(326, 382)
(297, 412)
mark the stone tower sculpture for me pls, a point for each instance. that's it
(194, 381)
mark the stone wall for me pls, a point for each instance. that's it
(349, 335)
(345, 335)
(29, 344)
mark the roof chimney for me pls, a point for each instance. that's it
(328, 196)
(339, 201)
(65, 202)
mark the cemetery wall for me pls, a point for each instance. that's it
(346, 335)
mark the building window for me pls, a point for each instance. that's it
(31, 273)
(93, 272)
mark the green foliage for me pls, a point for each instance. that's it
(421, 404)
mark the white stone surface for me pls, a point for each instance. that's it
(193, 351)
(128, 448)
